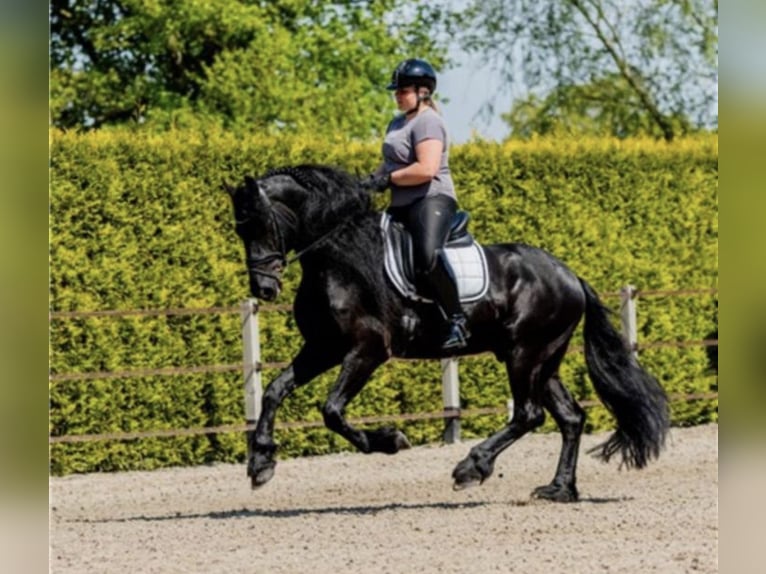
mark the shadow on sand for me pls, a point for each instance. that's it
(369, 510)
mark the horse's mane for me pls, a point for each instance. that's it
(319, 177)
(336, 201)
(334, 196)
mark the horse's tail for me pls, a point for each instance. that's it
(632, 395)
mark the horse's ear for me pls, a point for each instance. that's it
(252, 185)
(231, 190)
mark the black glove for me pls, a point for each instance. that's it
(379, 183)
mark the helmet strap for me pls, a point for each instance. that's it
(421, 98)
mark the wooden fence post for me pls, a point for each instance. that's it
(628, 316)
(451, 397)
(251, 364)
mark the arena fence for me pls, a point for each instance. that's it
(252, 368)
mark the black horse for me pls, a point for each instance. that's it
(349, 315)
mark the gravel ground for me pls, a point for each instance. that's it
(375, 513)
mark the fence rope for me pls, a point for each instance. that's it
(202, 369)
(138, 373)
(291, 425)
(446, 414)
(57, 315)
(674, 292)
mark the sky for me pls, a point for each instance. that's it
(467, 86)
(471, 82)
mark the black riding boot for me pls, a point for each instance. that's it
(441, 278)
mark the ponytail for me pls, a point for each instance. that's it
(429, 101)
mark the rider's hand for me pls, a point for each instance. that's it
(379, 183)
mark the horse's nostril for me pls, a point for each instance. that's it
(269, 293)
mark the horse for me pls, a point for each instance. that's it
(348, 314)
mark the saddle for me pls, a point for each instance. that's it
(464, 254)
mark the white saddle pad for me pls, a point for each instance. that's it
(468, 263)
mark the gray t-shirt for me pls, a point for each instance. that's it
(399, 152)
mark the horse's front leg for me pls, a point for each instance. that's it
(309, 363)
(358, 365)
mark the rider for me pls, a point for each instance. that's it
(415, 166)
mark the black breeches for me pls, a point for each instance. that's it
(428, 221)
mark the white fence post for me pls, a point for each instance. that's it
(451, 397)
(251, 363)
(628, 317)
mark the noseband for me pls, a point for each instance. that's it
(255, 264)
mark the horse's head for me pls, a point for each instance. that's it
(255, 223)
(290, 208)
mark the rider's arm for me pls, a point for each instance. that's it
(428, 153)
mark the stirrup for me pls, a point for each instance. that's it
(458, 334)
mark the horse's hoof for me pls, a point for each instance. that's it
(456, 486)
(261, 477)
(401, 441)
(467, 474)
(556, 493)
(387, 440)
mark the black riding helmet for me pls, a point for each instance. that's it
(413, 72)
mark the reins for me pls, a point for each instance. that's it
(315, 243)
(255, 263)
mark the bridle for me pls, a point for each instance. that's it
(255, 264)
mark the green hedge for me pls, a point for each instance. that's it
(138, 221)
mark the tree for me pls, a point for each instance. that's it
(606, 107)
(247, 65)
(661, 54)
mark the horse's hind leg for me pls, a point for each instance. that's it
(524, 370)
(570, 419)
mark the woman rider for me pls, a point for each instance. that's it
(416, 168)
